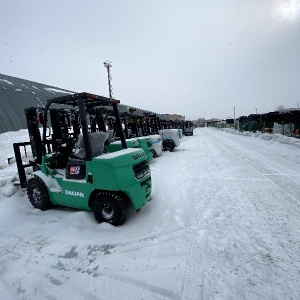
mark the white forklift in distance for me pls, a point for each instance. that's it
(170, 139)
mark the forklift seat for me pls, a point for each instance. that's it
(97, 140)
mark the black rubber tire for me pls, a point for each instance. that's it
(38, 194)
(168, 145)
(109, 207)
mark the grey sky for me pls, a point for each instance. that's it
(195, 58)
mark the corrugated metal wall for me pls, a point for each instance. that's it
(17, 94)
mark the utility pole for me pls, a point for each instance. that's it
(256, 110)
(234, 117)
(108, 65)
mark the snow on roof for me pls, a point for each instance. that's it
(16, 94)
(53, 90)
(4, 80)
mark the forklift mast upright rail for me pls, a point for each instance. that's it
(83, 101)
(41, 146)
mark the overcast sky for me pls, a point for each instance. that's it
(194, 58)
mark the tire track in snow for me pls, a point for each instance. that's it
(287, 179)
(208, 207)
(57, 277)
(253, 254)
(206, 242)
(69, 263)
(145, 242)
(192, 283)
(284, 174)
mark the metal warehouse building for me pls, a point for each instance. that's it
(17, 94)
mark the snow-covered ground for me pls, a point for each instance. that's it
(223, 223)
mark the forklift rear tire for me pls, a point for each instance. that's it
(168, 145)
(110, 208)
(38, 194)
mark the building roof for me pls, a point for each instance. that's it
(17, 94)
(173, 117)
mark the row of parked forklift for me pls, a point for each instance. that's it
(87, 155)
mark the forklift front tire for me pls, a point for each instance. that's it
(38, 194)
(110, 208)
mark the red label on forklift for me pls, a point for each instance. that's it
(75, 170)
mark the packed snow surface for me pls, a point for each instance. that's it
(223, 223)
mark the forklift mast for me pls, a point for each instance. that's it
(154, 123)
(35, 144)
(124, 119)
(60, 123)
(97, 122)
(113, 122)
(66, 124)
(34, 133)
(132, 124)
(147, 126)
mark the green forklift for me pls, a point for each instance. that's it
(70, 168)
(133, 138)
(147, 126)
(142, 139)
(105, 120)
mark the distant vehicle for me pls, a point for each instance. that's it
(188, 128)
(188, 131)
(170, 139)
